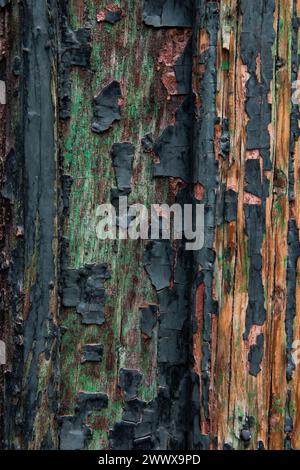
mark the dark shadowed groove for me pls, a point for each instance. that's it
(39, 397)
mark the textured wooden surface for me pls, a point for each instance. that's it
(243, 313)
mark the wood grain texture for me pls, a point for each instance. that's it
(231, 380)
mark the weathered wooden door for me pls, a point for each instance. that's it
(135, 343)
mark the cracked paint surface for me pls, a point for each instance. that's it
(149, 345)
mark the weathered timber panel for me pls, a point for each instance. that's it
(130, 344)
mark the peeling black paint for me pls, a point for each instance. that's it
(133, 410)
(204, 171)
(174, 358)
(115, 195)
(173, 147)
(183, 70)
(75, 50)
(129, 382)
(257, 39)
(204, 168)
(87, 402)
(253, 177)
(92, 353)
(231, 202)
(158, 262)
(255, 224)
(226, 205)
(122, 436)
(40, 177)
(122, 157)
(293, 256)
(256, 355)
(165, 421)
(293, 232)
(295, 111)
(148, 320)
(172, 302)
(74, 433)
(84, 289)
(176, 13)
(106, 107)
(153, 430)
